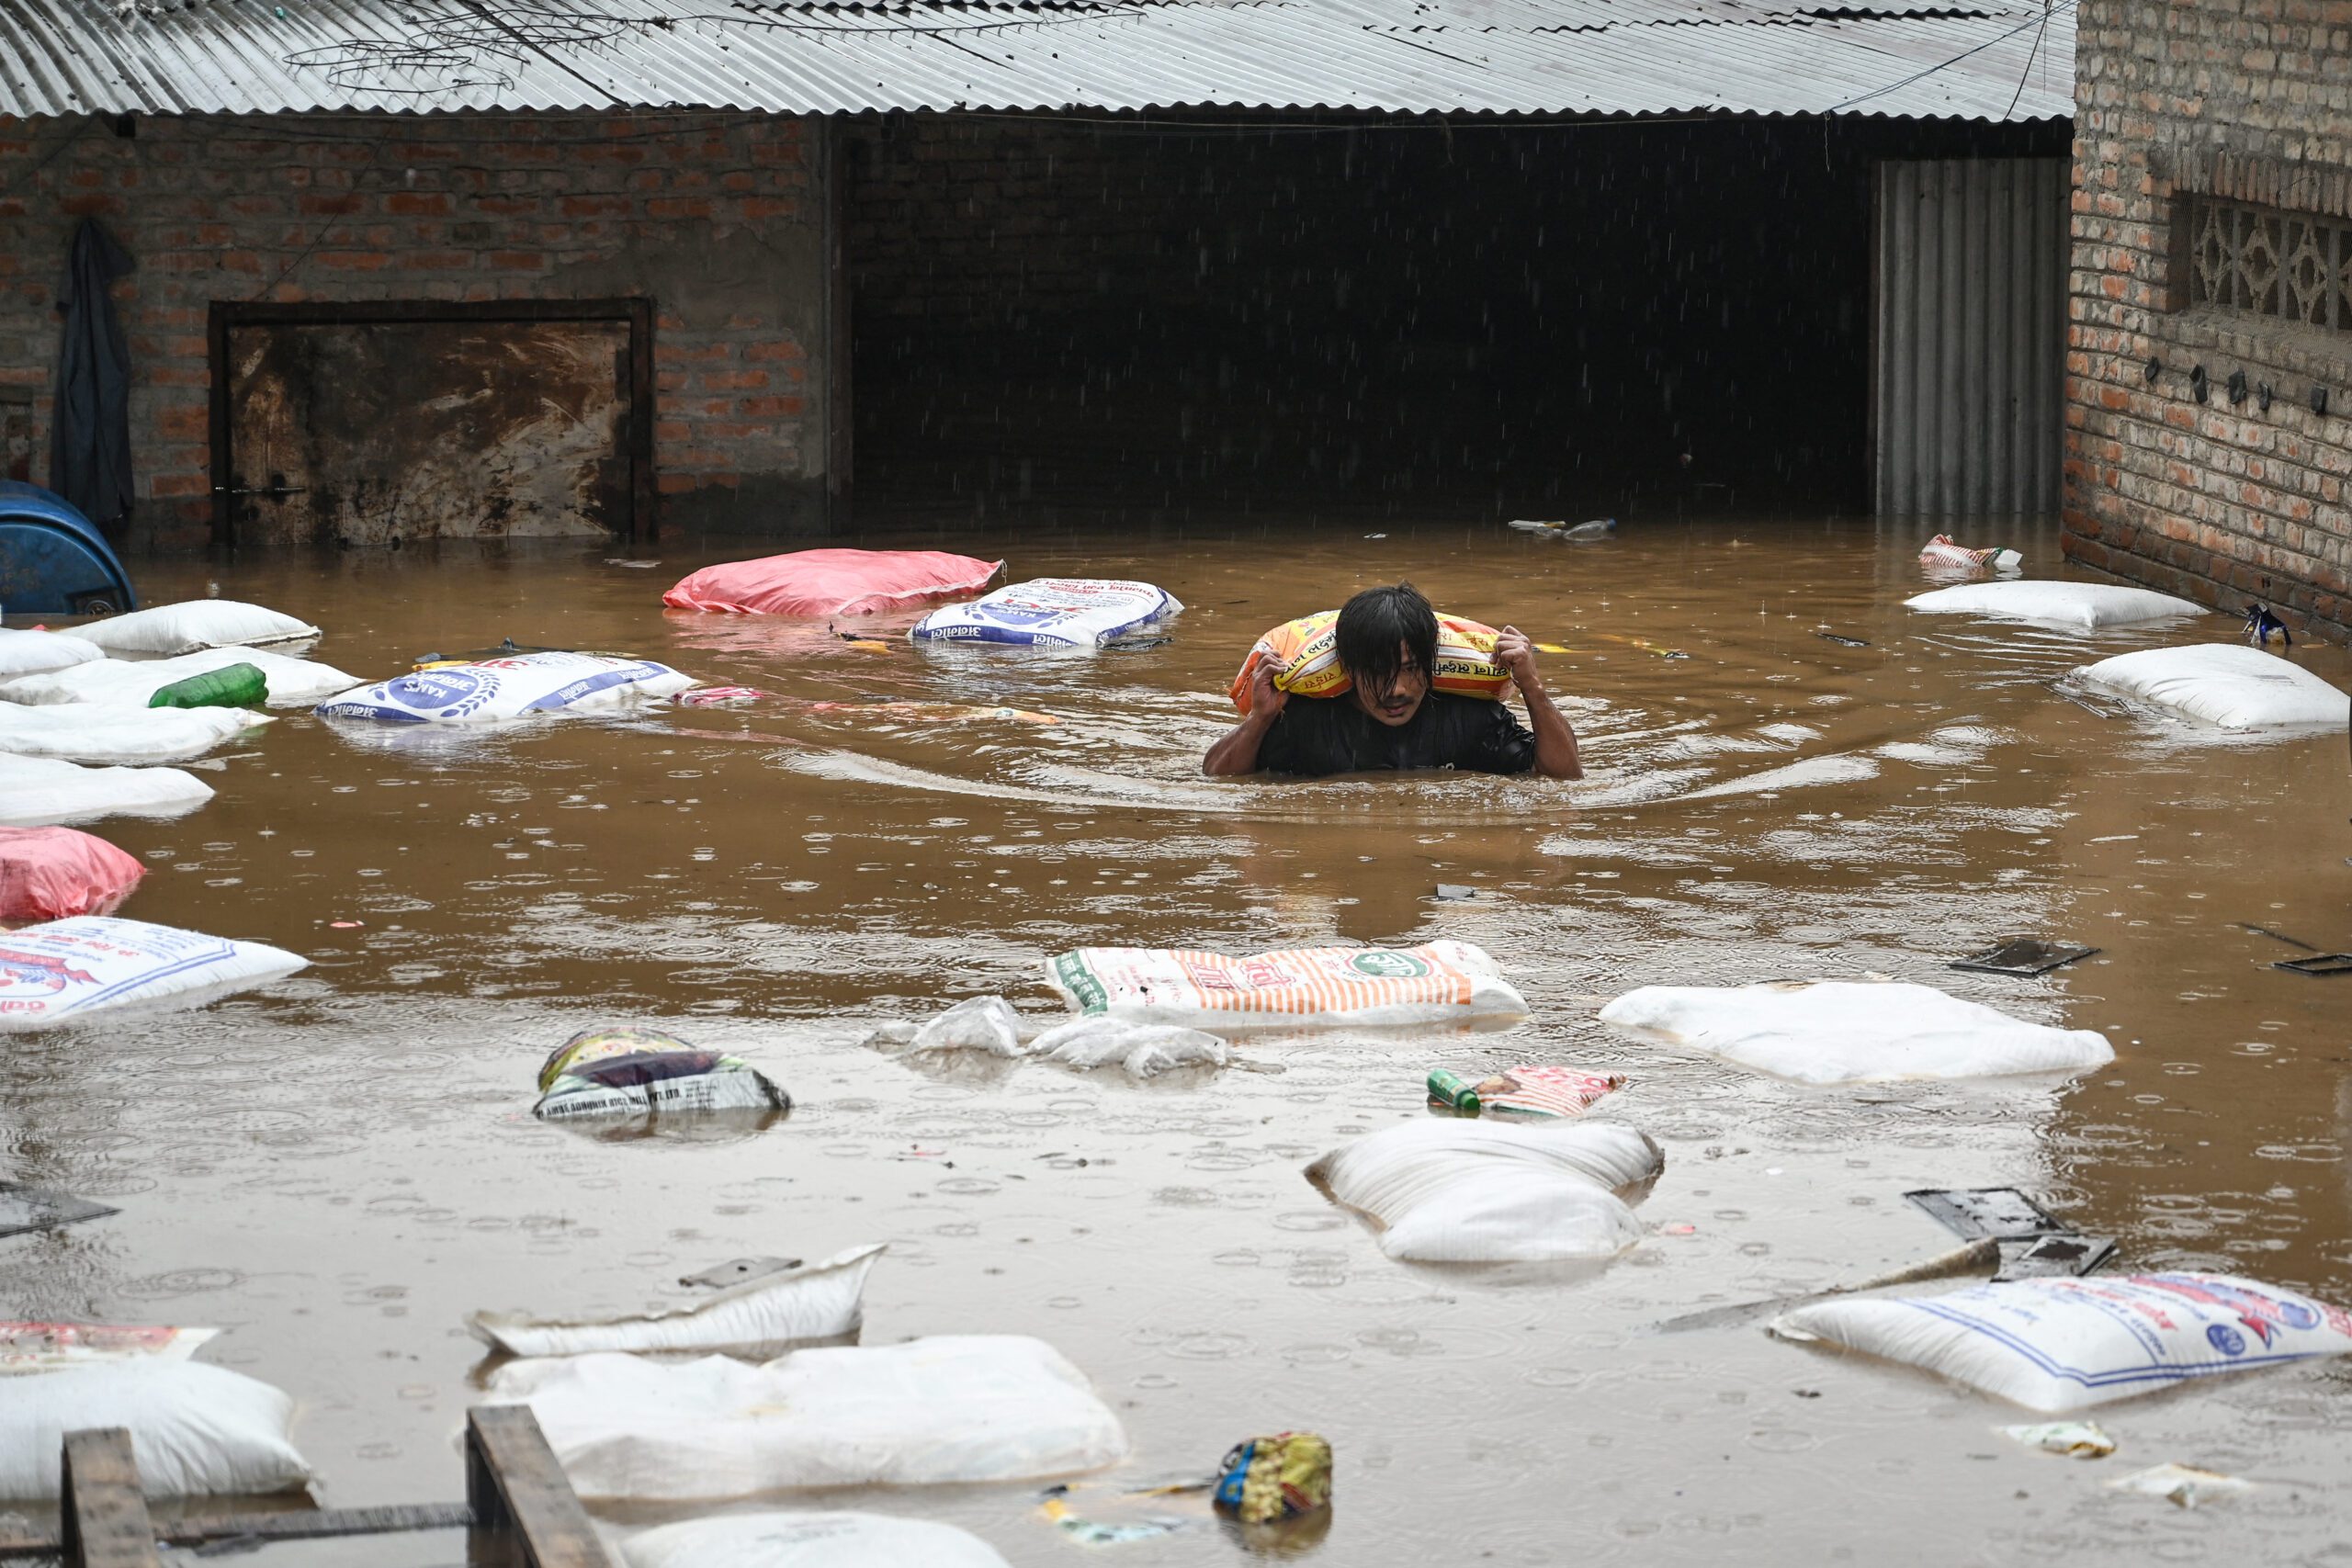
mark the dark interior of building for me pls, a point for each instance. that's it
(1390, 317)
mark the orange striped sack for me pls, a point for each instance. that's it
(1439, 982)
(1305, 659)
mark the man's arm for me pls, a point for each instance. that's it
(1237, 750)
(1556, 742)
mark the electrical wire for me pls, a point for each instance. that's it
(2042, 20)
(2029, 54)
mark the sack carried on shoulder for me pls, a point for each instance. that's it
(1305, 659)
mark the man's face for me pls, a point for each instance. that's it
(1402, 700)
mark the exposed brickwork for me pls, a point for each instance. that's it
(715, 218)
(2247, 99)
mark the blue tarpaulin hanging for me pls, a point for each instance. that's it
(89, 450)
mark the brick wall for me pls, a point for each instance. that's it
(716, 217)
(2249, 100)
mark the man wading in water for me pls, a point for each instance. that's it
(1386, 641)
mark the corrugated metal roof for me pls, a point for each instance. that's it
(1972, 58)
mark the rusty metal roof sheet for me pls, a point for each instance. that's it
(1968, 59)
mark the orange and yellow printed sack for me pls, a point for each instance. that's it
(1306, 658)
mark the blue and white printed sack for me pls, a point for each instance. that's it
(63, 970)
(510, 688)
(1051, 612)
(2060, 1345)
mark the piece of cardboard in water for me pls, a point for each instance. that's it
(2024, 956)
(1975, 1212)
(24, 1208)
(2053, 1257)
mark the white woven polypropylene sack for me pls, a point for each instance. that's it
(41, 792)
(954, 1408)
(1141, 1049)
(2077, 606)
(1843, 1031)
(90, 732)
(1051, 612)
(129, 682)
(816, 1302)
(196, 1430)
(2231, 685)
(2059, 1345)
(61, 971)
(495, 689)
(195, 624)
(809, 1541)
(1302, 987)
(1447, 1190)
(36, 653)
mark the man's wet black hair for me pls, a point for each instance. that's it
(1372, 625)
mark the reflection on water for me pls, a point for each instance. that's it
(339, 1171)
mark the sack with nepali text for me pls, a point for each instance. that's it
(510, 688)
(642, 1072)
(2059, 1345)
(67, 969)
(1051, 612)
(1306, 658)
(1302, 987)
(1286, 1476)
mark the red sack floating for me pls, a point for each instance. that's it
(54, 873)
(832, 583)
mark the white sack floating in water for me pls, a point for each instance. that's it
(1300, 987)
(2077, 606)
(1051, 612)
(125, 683)
(2229, 685)
(38, 652)
(90, 732)
(524, 685)
(62, 971)
(1141, 1049)
(975, 1023)
(809, 1541)
(192, 626)
(43, 791)
(2062, 1345)
(945, 1409)
(1466, 1192)
(1822, 1032)
(816, 1302)
(198, 1430)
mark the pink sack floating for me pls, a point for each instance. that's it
(54, 873)
(832, 583)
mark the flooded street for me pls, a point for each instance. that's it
(339, 1170)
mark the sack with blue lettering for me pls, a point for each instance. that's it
(65, 970)
(518, 687)
(609, 1071)
(2060, 1345)
(1051, 612)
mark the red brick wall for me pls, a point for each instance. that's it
(716, 219)
(2249, 100)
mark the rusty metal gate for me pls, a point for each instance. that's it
(378, 424)
(1970, 336)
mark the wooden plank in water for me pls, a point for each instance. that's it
(514, 1483)
(295, 1524)
(103, 1517)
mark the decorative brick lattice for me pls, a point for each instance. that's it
(2289, 266)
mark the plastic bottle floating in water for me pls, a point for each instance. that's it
(231, 686)
(1453, 1089)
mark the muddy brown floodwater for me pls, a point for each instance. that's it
(336, 1172)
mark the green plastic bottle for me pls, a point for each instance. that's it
(231, 686)
(1453, 1089)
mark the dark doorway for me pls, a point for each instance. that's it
(1478, 318)
(377, 424)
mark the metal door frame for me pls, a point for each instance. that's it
(636, 440)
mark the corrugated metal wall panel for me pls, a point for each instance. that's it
(1971, 336)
